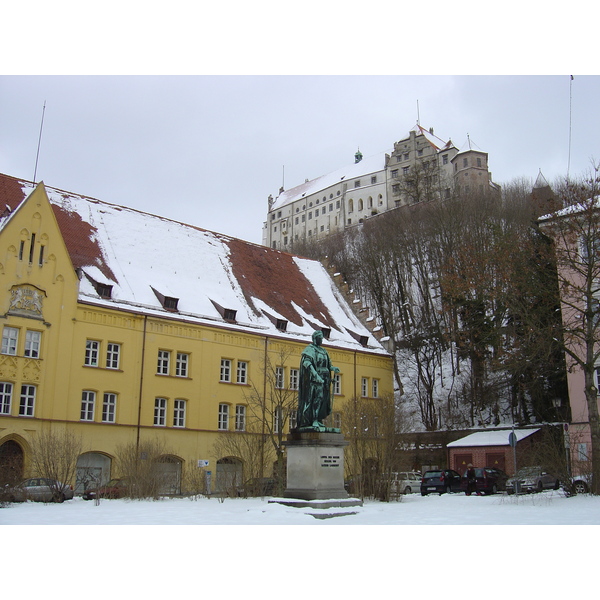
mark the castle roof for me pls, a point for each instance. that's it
(146, 258)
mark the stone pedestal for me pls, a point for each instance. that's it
(315, 466)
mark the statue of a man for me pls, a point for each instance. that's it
(314, 388)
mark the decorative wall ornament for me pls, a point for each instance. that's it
(26, 300)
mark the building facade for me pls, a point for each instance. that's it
(123, 327)
(420, 167)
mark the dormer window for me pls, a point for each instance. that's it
(103, 290)
(170, 303)
(281, 324)
(228, 314)
(326, 332)
(167, 302)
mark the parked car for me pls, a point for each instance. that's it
(259, 486)
(532, 479)
(440, 482)
(488, 480)
(39, 489)
(581, 484)
(115, 488)
(405, 482)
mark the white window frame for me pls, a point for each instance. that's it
(223, 424)
(225, 375)
(240, 417)
(109, 407)
(92, 351)
(182, 364)
(279, 378)
(375, 388)
(113, 355)
(293, 418)
(364, 387)
(242, 372)
(179, 412)
(582, 452)
(6, 390)
(10, 340)
(163, 363)
(88, 404)
(27, 402)
(277, 419)
(33, 341)
(294, 378)
(160, 412)
(337, 384)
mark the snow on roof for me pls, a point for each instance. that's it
(497, 437)
(434, 140)
(366, 166)
(145, 257)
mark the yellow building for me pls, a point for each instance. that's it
(124, 327)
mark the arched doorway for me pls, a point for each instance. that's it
(229, 476)
(169, 471)
(11, 463)
(93, 470)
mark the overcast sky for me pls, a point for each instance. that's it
(209, 149)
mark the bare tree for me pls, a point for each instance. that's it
(576, 234)
(141, 465)
(54, 455)
(370, 427)
(271, 406)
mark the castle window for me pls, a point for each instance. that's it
(32, 343)
(242, 372)
(357, 183)
(374, 179)
(113, 352)
(395, 173)
(179, 413)
(225, 370)
(10, 337)
(27, 404)
(163, 362)
(92, 348)
(88, 399)
(160, 412)
(223, 423)
(5, 397)
(445, 159)
(109, 407)
(181, 364)
(240, 417)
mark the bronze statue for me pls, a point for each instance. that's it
(314, 389)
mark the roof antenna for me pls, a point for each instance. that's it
(418, 116)
(570, 103)
(39, 142)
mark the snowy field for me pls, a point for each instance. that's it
(544, 542)
(547, 508)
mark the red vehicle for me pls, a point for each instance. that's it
(115, 488)
(488, 480)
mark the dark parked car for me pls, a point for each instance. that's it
(115, 488)
(440, 482)
(488, 480)
(532, 479)
(260, 486)
(39, 489)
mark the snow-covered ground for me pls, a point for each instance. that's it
(403, 550)
(547, 508)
